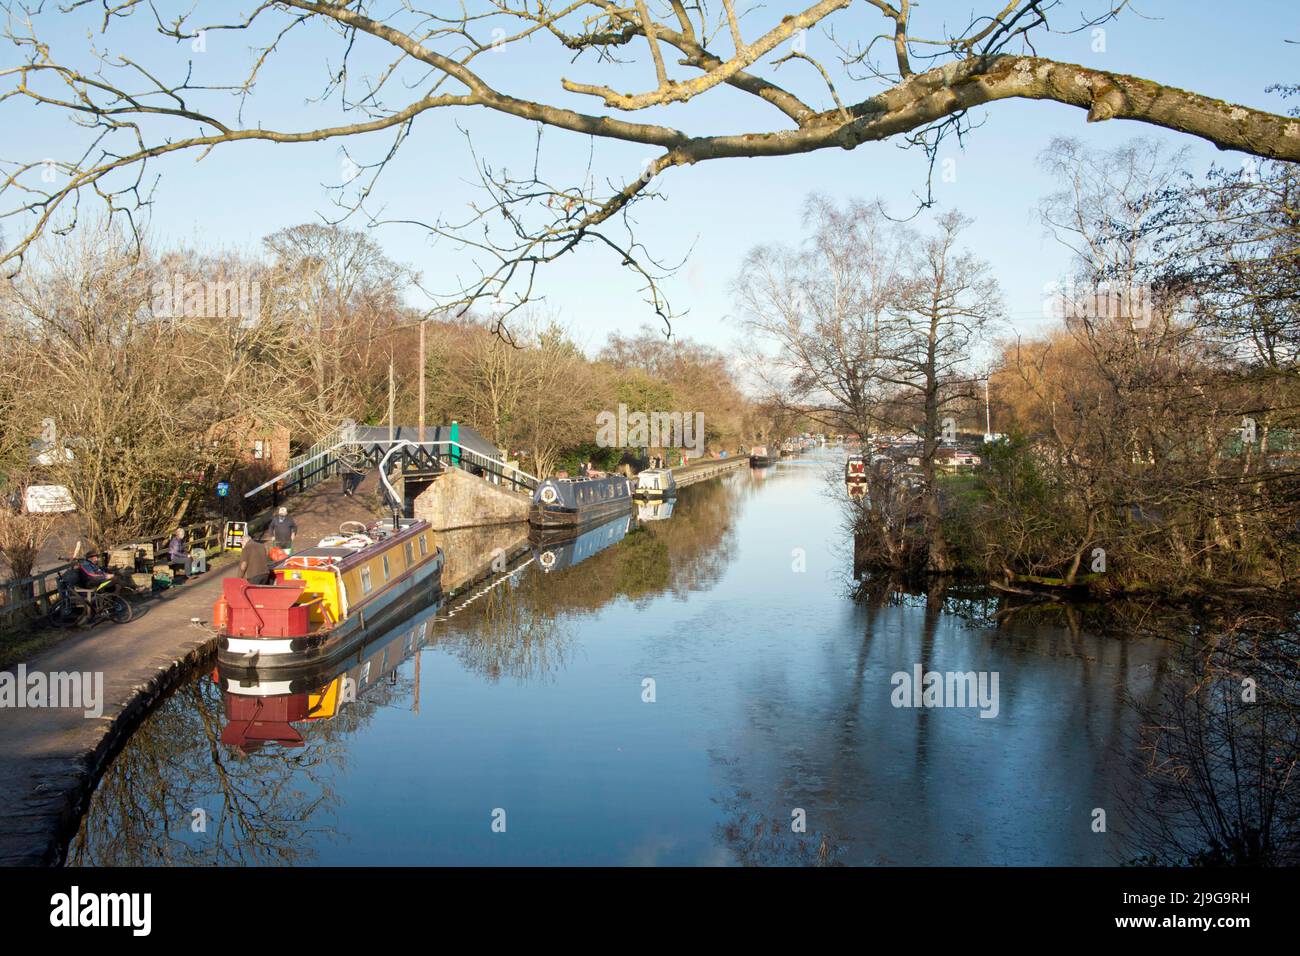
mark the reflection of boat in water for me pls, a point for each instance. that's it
(326, 598)
(576, 502)
(262, 709)
(655, 510)
(855, 476)
(555, 551)
(761, 457)
(655, 483)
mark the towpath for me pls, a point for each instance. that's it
(51, 758)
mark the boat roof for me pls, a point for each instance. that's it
(324, 552)
(579, 481)
(343, 557)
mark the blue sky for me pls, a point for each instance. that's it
(714, 211)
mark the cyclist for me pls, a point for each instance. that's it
(82, 579)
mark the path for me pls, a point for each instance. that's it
(51, 759)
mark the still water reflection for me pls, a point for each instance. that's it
(526, 693)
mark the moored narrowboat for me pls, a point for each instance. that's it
(855, 469)
(576, 502)
(655, 483)
(324, 599)
(760, 457)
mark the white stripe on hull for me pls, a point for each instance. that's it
(260, 645)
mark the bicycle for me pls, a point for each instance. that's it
(82, 607)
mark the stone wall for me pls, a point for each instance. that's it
(475, 553)
(457, 499)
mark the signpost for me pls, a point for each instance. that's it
(236, 533)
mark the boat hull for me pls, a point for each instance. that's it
(656, 493)
(256, 655)
(556, 516)
(761, 461)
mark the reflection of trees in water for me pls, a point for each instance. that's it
(699, 538)
(515, 627)
(508, 633)
(264, 806)
(823, 767)
(1214, 776)
(833, 761)
(759, 839)
(1215, 771)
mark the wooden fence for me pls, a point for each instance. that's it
(26, 599)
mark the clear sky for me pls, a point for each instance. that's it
(713, 211)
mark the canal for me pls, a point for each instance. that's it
(694, 689)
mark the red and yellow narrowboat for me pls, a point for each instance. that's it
(324, 599)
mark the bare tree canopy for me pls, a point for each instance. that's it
(390, 64)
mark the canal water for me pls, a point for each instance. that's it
(696, 688)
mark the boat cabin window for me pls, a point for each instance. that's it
(365, 580)
(410, 554)
(424, 548)
(387, 572)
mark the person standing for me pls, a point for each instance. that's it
(254, 564)
(283, 530)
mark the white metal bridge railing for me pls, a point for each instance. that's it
(317, 465)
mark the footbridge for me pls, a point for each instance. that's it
(354, 450)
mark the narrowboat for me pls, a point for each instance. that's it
(555, 552)
(325, 599)
(761, 457)
(855, 469)
(656, 483)
(576, 502)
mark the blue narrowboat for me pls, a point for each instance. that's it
(576, 502)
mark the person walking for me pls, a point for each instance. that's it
(254, 563)
(351, 464)
(283, 530)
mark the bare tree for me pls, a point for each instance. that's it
(1147, 425)
(822, 307)
(345, 297)
(148, 392)
(921, 76)
(926, 348)
(874, 328)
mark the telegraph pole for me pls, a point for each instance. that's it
(988, 421)
(421, 438)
